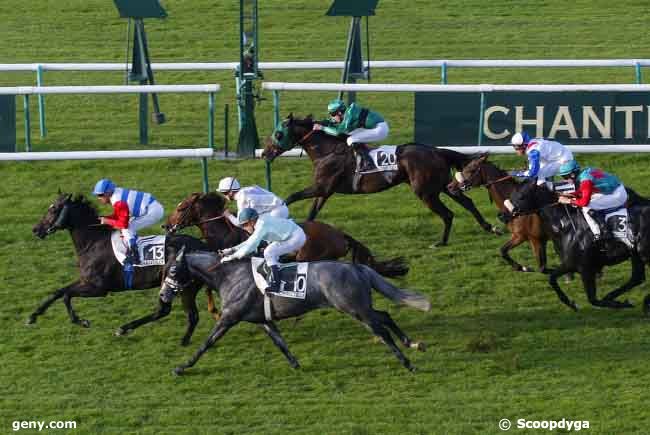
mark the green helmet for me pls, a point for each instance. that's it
(569, 168)
(336, 106)
(246, 215)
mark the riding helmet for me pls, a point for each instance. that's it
(336, 106)
(568, 168)
(103, 186)
(247, 214)
(228, 184)
(520, 140)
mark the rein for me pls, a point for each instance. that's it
(498, 180)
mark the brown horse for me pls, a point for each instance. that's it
(500, 186)
(324, 242)
(424, 167)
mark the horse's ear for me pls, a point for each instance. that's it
(290, 117)
(310, 117)
(181, 254)
(484, 156)
(59, 192)
(68, 197)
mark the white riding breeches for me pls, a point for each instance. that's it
(275, 250)
(602, 202)
(153, 215)
(281, 211)
(368, 135)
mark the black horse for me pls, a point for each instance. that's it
(424, 167)
(99, 270)
(579, 252)
(344, 286)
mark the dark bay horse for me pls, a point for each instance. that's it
(99, 271)
(344, 286)
(579, 252)
(206, 210)
(500, 186)
(425, 168)
(324, 242)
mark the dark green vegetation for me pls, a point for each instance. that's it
(500, 344)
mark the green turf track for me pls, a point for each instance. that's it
(500, 343)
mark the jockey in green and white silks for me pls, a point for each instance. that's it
(595, 190)
(261, 200)
(283, 235)
(362, 126)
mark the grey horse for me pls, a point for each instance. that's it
(344, 286)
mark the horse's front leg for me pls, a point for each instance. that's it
(164, 308)
(46, 304)
(307, 193)
(189, 305)
(552, 279)
(82, 290)
(637, 278)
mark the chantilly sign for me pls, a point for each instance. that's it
(590, 118)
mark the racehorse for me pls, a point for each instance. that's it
(206, 210)
(424, 167)
(324, 242)
(579, 252)
(99, 270)
(527, 227)
(344, 286)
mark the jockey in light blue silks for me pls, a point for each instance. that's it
(283, 235)
(544, 157)
(132, 211)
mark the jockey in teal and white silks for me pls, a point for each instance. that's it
(261, 200)
(362, 126)
(132, 211)
(544, 157)
(283, 236)
(595, 190)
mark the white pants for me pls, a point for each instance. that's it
(365, 135)
(548, 171)
(153, 215)
(273, 252)
(281, 211)
(601, 202)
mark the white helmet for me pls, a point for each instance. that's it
(519, 140)
(228, 184)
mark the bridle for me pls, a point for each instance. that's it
(186, 212)
(60, 219)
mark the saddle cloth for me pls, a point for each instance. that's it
(618, 224)
(293, 278)
(150, 248)
(384, 158)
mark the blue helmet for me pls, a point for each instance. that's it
(247, 214)
(103, 186)
(568, 168)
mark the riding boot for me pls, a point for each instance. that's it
(600, 220)
(274, 282)
(364, 162)
(132, 251)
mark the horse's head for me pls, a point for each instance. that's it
(65, 213)
(472, 175)
(177, 275)
(531, 198)
(289, 133)
(196, 209)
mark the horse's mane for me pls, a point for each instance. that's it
(214, 200)
(80, 202)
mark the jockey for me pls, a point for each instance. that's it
(262, 201)
(132, 210)
(362, 126)
(595, 190)
(283, 235)
(544, 157)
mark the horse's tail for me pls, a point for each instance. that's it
(362, 255)
(633, 198)
(454, 158)
(395, 294)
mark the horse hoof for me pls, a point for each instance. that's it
(437, 245)
(527, 269)
(185, 342)
(496, 230)
(178, 371)
(30, 320)
(294, 364)
(419, 346)
(84, 323)
(573, 306)
(121, 332)
(411, 368)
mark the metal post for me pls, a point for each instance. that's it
(276, 108)
(443, 73)
(204, 166)
(28, 138)
(211, 120)
(480, 120)
(268, 175)
(225, 130)
(638, 73)
(41, 101)
(239, 106)
(354, 25)
(144, 117)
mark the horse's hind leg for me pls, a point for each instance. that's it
(374, 322)
(467, 203)
(435, 205)
(637, 278)
(515, 241)
(388, 321)
(212, 307)
(273, 332)
(189, 305)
